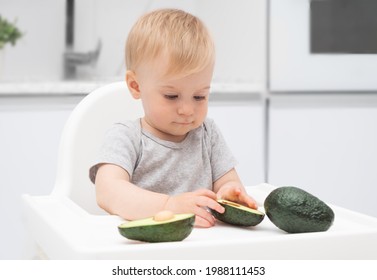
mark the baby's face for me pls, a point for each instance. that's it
(173, 105)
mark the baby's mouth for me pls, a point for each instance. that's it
(184, 122)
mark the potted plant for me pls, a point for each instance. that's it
(9, 33)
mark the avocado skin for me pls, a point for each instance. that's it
(164, 232)
(296, 211)
(237, 217)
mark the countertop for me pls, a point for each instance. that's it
(61, 88)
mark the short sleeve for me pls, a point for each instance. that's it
(121, 147)
(221, 157)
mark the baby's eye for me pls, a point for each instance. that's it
(171, 96)
(199, 97)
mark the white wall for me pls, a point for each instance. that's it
(238, 28)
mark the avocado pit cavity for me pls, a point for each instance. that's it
(164, 215)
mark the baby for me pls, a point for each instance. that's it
(174, 158)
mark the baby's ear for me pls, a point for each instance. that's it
(132, 84)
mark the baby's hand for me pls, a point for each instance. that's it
(234, 192)
(196, 202)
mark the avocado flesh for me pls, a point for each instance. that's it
(296, 211)
(149, 230)
(237, 214)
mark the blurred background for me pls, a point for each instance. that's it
(294, 92)
(61, 32)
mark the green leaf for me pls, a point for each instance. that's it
(9, 33)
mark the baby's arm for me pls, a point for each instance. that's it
(229, 187)
(117, 195)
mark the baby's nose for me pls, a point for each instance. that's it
(185, 109)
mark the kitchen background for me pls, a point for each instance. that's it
(287, 122)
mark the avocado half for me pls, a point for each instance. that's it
(150, 230)
(296, 211)
(237, 214)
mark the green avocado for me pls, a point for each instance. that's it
(296, 211)
(237, 214)
(150, 230)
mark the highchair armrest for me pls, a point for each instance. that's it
(64, 230)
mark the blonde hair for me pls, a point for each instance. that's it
(180, 35)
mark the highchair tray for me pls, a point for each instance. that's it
(63, 230)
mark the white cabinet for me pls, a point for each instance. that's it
(326, 144)
(242, 125)
(30, 129)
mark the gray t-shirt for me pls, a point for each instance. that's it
(163, 166)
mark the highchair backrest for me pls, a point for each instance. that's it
(82, 137)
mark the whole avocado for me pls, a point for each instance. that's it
(296, 211)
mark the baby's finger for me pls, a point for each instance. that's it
(210, 203)
(229, 193)
(205, 215)
(249, 201)
(200, 222)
